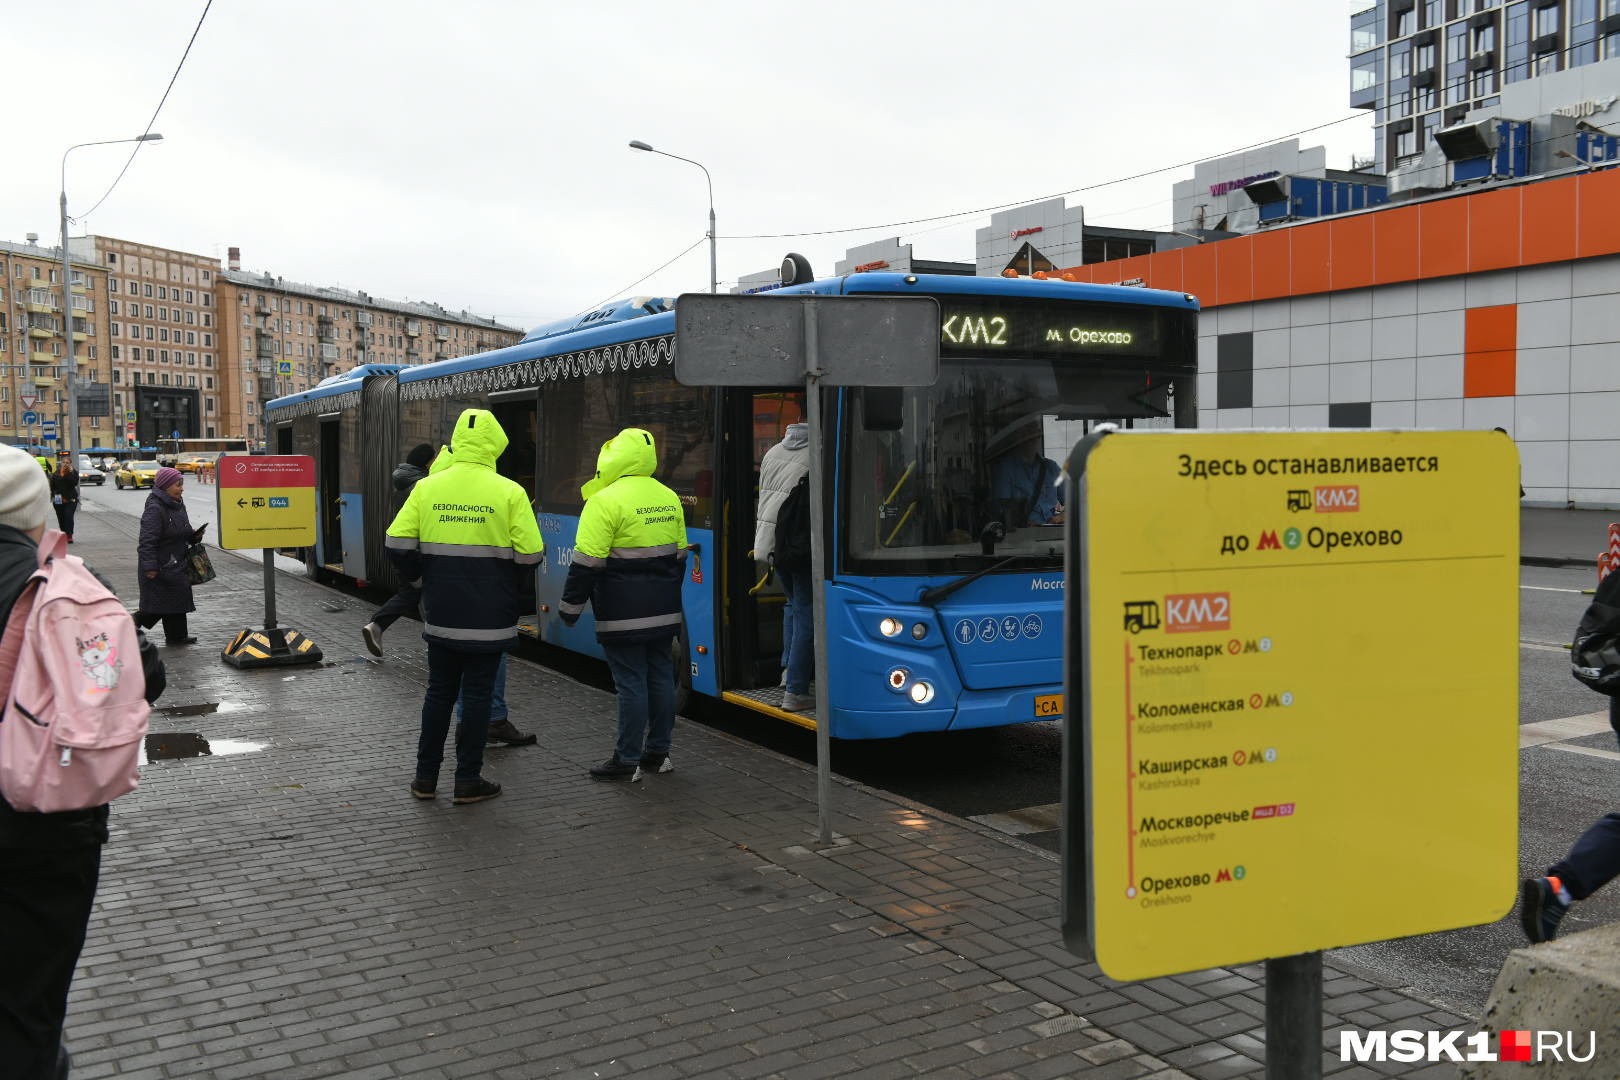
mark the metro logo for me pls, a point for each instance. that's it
(1189, 613)
(1344, 499)
(1268, 540)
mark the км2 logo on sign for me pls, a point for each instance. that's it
(1184, 613)
(1338, 499)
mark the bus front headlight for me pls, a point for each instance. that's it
(890, 626)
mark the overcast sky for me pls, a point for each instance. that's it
(474, 153)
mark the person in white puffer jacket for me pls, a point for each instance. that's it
(784, 464)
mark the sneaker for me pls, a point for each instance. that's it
(656, 763)
(373, 635)
(502, 731)
(616, 771)
(1542, 911)
(792, 702)
(424, 789)
(475, 790)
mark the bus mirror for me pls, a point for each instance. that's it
(881, 408)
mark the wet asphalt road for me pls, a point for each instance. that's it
(1005, 770)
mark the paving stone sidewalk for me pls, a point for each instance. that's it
(292, 912)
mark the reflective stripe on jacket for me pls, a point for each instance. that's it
(630, 554)
(468, 535)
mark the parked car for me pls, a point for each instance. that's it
(88, 473)
(195, 462)
(136, 474)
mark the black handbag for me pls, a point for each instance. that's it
(1594, 658)
(199, 567)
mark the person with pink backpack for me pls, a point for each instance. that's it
(77, 677)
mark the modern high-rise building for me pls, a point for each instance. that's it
(1422, 65)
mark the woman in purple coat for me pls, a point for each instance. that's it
(166, 538)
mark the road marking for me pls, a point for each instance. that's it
(1030, 819)
(1563, 729)
(1549, 588)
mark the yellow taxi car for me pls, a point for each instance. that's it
(135, 474)
(191, 463)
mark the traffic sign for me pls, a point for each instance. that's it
(284, 367)
(1295, 655)
(266, 502)
(48, 425)
(174, 434)
(30, 418)
(129, 416)
(27, 400)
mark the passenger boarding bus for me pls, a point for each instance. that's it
(944, 537)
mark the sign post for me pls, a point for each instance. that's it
(267, 502)
(1296, 656)
(889, 341)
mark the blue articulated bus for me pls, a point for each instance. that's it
(944, 545)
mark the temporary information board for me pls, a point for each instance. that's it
(266, 502)
(1297, 654)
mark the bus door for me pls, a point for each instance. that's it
(755, 421)
(518, 413)
(330, 539)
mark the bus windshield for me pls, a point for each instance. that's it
(976, 462)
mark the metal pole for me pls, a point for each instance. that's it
(714, 275)
(72, 380)
(1294, 1017)
(269, 588)
(812, 394)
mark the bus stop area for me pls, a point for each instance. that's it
(283, 907)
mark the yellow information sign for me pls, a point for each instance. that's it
(1300, 693)
(266, 502)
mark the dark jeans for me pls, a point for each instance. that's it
(45, 901)
(798, 630)
(407, 601)
(64, 515)
(451, 674)
(644, 675)
(1594, 860)
(174, 626)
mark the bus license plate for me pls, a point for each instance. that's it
(1048, 706)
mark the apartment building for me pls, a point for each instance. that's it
(161, 357)
(1423, 65)
(36, 348)
(279, 337)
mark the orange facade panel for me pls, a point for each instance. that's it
(1164, 271)
(1493, 230)
(1547, 222)
(1597, 194)
(1198, 272)
(1235, 264)
(1490, 343)
(1310, 259)
(1395, 244)
(1443, 238)
(1271, 265)
(1351, 255)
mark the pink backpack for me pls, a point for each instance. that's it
(75, 709)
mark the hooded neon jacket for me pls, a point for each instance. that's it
(630, 554)
(468, 535)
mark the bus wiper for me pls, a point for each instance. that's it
(932, 597)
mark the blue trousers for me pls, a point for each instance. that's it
(452, 674)
(798, 629)
(644, 675)
(497, 700)
(1594, 860)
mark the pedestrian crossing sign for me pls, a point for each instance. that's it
(284, 367)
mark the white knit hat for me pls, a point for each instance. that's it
(25, 494)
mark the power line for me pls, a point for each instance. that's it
(644, 277)
(1057, 195)
(155, 112)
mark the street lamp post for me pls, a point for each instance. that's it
(714, 277)
(67, 301)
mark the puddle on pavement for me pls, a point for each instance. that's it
(202, 709)
(171, 745)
